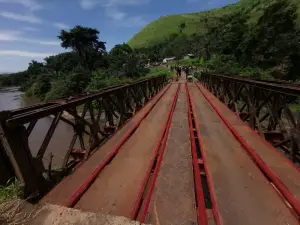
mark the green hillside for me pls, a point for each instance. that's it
(162, 28)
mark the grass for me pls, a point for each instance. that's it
(163, 27)
(10, 191)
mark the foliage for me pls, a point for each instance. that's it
(15, 79)
(162, 28)
(87, 67)
(254, 38)
(40, 87)
(103, 78)
(84, 41)
(11, 190)
(118, 55)
(68, 84)
(123, 60)
(159, 71)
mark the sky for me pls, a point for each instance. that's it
(29, 28)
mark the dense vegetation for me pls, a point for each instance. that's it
(251, 37)
(87, 67)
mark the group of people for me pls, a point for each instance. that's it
(179, 69)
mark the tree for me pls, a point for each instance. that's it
(119, 55)
(35, 68)
(84, 41)
(135, 65)
(181, 27)
(61, 63)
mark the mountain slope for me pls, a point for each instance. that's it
(162, 28)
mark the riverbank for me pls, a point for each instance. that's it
(12, 98)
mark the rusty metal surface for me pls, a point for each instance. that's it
(118, 185)
(93, 117)
(173, 198)
(243, 194)
(283, 168)
(283, 87)
(269, 107)
(61, 193)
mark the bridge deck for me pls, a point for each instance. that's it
(125, 174)
(243, 194)
(173, 198)
(61, 193)
(284, 169)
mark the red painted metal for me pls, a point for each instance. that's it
(199, 193)
(77, 194)
(109, 128)
(290, 198)
(200, 161)
(201, 210)
(257, 134)
(158, 156)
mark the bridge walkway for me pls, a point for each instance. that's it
(153, 178)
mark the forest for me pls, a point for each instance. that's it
(239, 41)
(87, 67)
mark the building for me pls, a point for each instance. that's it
(166, 60)
(189, 56)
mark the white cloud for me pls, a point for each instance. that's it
(14, 35)
(26, 53)
(89, 4)
(61, 25)
(123, 19)
(30, 18)
(52, 43)
(9, 35)
(30, 29)
(112, 10)
(32, 5)
(115, 14)
(134, 21)
(20, 17)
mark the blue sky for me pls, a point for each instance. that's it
(29, 28)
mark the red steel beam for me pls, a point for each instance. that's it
(141, 204)
(290, 198)
(258, 135)
(202, 216)
(79, 192)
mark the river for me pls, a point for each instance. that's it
(12, 98)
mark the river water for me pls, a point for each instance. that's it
(12, 98)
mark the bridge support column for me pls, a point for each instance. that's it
(28, 170)
(7, 171)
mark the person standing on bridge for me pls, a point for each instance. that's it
(187, 71)
(178, 71)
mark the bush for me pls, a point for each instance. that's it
(71, 83)
(104, 78)
(159, 71)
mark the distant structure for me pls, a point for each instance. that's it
(166, 60)
(189, 56)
